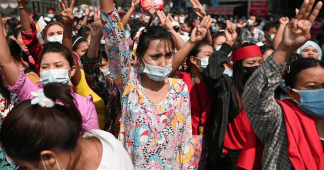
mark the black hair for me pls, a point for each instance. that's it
(14, 48)
(257, 19)
(189, 24)
(102, 53)
(16, 32)
(150, 34)
(9, 34)
(77, 40)
(194, 52)
(238, 76)
(13, 22)
(268, 26)
(36, 17)
(84, 32)
(56, 47)
(265, 48)
(135, 27)
(297, 66)
(216, 35)
(221, 24)
(30, 129)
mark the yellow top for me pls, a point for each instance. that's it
(84, 90)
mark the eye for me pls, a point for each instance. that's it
(169, 54)
(311, 87)
(58, 66)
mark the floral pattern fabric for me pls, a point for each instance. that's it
(155, 136)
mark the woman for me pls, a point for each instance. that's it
(218, 39)
(52, 140)
(266, 51)
(292, 130)
(56, 66)
(80, 46)
(156, 122)
(310, 50)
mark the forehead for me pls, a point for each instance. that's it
(50, 58)
(313, 74)
(159, 46)
(253, 59)
(206, 48)
(309, 48)
(252, 17)
(220, 39)
(55, 28)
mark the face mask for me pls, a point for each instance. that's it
(55, 75)
(88, 42)
(139, 69)
(271, 37)
(203, 63)
(58, 38)
(214, 29)
(250, 23)
(50, 16)
(102, 42)
(58, 166)
(248, 71)
(271, 19)
(106, 72)
(282, 85)
(218, 48)
(228, 72)
(311, 102)
(157, 73)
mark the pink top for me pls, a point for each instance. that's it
(24, 87)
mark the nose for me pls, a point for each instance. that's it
(163, 62)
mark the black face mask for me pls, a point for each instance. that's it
(248, 71)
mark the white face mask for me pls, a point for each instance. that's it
(217, 48)
(106, 72)
(55, 75)
(102, 42)
(58, 38)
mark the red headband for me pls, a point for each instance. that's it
(50, 10)
(246, 52)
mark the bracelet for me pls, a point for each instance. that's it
(23, 7)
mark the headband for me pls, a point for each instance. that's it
(76, 41)
(41, 99)
(136, 39)
(246, 52)
(50, 10)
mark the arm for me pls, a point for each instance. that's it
(86, 16)
(196, 36)
(24, 15)
(277, 39)
(117, 47)
(262, 110)
(130, 12)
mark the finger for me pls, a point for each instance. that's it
(302, 10)
(296, 10)
(315, 12)
(197, 2)
(72, 4)
(308, 9)
(209, 23)
(305, 30)
(65, 4)
(61, 5)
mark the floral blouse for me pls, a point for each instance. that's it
(155, 136)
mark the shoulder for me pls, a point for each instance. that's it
(179, 85)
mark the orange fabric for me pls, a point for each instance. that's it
(33, 77)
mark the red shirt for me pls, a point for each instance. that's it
(204, 94)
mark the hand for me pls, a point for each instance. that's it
(297, 31)
(135, 3)
(166, 23)
(96, 30)
(170, 17)
(198, 8)
(87, 10)
(241, 24)
(199, 32)
(152, 11)
(21, 3)
(230, 34)
(67, 12)
(283, 20)
(97, 16)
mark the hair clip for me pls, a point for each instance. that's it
(144, 30)
(288, 70)
(41, 99)
(244, 42)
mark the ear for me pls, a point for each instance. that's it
(72, 71)
(292, 94)
(193, 60)
(49, 158)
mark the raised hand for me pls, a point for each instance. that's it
(297, 31)
(152, 11)
(135, 3)
(87, 10)
(241, 24)
(230, 34)
(283, 20)
(166, 23)
(67, 12)
(200, 31)
(96, 30)
(97, 16)
(198, 9)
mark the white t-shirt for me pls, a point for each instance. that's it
(114, 156)
(185, 36)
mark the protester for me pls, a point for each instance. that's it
(266, 51)
(310, 50)
(292, 130)
(251, 34)
(270, 30)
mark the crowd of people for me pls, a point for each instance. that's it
(113, 91)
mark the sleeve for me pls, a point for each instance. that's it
(84, 90)
(264, 114)
(24, 87)
(96, 80)
(31, 41)
(215, 68)
(117, 49)
(89, 115)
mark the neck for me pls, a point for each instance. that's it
(251, 29)
(91, 150)
(196, 74)
(320, 128)
(151, 84)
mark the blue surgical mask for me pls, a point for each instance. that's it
(102, 42)
(139, 69)
(58, 38)
(50, 16)
(282, 85)
(228, 72)
(311, 102)
(214, 29)
(203, 63)
(55, 75)
(250, 23)
(157, 73)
